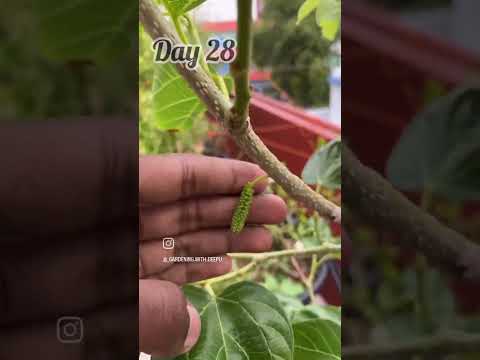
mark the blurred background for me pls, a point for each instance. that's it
(411, 112)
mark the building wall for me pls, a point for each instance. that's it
(221, 11)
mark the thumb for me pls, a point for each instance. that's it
(168, 324)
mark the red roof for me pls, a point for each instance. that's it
(290, 133)
(382, 51)
(226, 26)
(384, 34)
(258, 75)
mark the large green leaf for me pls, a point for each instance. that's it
(306, 9)
(325, 312)
(179, 7)
(86, 29)
(439, 150)
(328, 17)
(327, 14)
(244, 322)
(325, 166)
(317, 332)
(175, 105)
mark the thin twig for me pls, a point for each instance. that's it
(299, 270)
(229, 276)
(327, 251)
(433, 346)
(241, 66)
(320, 250)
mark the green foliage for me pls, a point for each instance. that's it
(283, 285)
(297, 55)
(154, 138)
(327, 15)
(178, 8)
(86, 29)
(305, 230)
(396, 301)
(175, 104)
(325, 166)
(439, 150)
(244, 322)
(317, 333)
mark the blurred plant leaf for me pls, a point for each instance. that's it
(178, 8)
(325, 312)
(282, 284)
(400, 319)
(327, 15)
(324, 167)
(306, 9)
(86, 30)
(439, 150)
(230, 84)
(328, 18)
(243, 321)
(317, 332)
(290, 304)
(175, 105)
(290, 287)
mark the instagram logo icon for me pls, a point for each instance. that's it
(168, 243)
(70, 329)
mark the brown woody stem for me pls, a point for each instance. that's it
(368, 194)
(436, 347)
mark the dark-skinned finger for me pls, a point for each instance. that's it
(173, 177)
(195, 214)
(89, 270)
(203, 243)
(72, 176)
(168, 325)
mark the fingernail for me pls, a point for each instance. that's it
(193, 330)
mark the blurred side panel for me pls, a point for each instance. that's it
(411, 116)
(69, 183)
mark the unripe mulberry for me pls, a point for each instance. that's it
(243, 208)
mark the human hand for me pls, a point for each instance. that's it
(68, 239)
(191, 199)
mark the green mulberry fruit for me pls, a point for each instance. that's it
(243, 206)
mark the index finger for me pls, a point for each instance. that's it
(173, 177)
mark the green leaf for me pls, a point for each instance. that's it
(324, 167)
(290, 287)
(86, 30)
(229, 83)
(291, 304)
(327, 15)
(244, 322)
(317, 333)
(175, 104)
(177, 8)
(306, 9)
(439, 150)
(325, 312)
